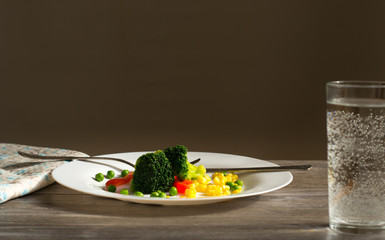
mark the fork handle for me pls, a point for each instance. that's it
(261, 169)
(66, 158)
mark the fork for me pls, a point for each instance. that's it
(247, 169)
(66, 158)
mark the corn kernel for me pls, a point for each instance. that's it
(223, 181)
(201, 180)
(218, 174)
(210, 187)
(225, 187)
(192, 186)
(208, 178)
(210, 193)
(226, 192)
(216, 181)
(236, 191)
(201, 188)
(190, 193)
(218, 191)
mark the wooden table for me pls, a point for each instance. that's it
(298, 211)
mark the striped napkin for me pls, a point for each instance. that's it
(20, 175)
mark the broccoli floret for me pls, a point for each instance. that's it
(178, 158)
(180, 165)
(194, 172)
(153, 172)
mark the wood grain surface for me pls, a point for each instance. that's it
(298, 211)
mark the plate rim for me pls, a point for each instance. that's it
(171, 201)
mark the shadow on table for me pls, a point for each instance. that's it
(87, 204)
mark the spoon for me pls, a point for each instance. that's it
(65, 158)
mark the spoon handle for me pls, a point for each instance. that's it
(261, 169)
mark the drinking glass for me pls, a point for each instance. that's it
(356, 156)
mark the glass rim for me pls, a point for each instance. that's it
(356, 84)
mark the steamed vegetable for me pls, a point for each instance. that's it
(153, 172)
(182, 169)
(120, 183)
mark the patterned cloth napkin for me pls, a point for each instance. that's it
(20, 175)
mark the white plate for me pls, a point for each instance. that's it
(78, 175)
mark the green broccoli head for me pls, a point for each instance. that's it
(180, 165)
(153, 172)
(178, 158)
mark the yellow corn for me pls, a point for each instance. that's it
(210, 193)
(229, 175)
(218, 174)
(201, 180)
(218, 186)
(236, 191)
(218, 191)
(225, 187)
(224, 181)
(212, 186)
(201, 188)
(208, 178)
(216, 181)
(191, 193)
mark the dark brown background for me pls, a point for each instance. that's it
(242, 77)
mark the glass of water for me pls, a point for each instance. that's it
(356, 156)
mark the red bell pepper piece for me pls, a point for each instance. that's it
(120, 181)
(182, 186)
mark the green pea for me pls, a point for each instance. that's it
(110, 174)
(162, 195)
(173, 191)
(138, 194)
(124, 173)
(111, 188)
(99, 177)
(239, 182)
(124, 192)
(235, 187)
(230, 184)
(154, 194)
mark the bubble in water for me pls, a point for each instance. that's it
(356, 157)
